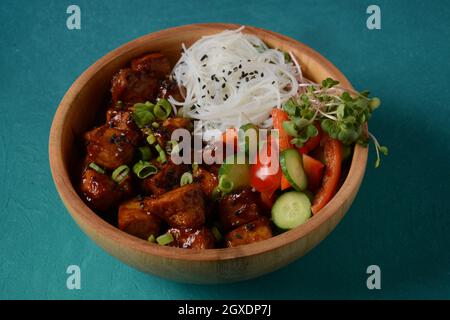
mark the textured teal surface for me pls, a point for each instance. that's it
(399, 221)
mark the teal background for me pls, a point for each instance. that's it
(399, 221)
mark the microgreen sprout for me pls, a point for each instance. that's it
(342, 114)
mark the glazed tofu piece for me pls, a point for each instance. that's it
(167, 178)
(132, 87)
(254, 231)
(155, 64)
(239, 208)
(207, 181)
(110, 147)
(120, 119)
(164, 132)
(193, 238)
(99, 191)
(183, 207)
(168, 89)
(135, 218)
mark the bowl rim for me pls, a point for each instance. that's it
(84, 216)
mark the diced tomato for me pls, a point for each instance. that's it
(332, 150)
(261, 176)
(314, 170)
(278, 117)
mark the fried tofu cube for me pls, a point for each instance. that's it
(155, 64)
(110, 147)
(135, 218)
(251, 232)
(183, 207)
(207, 181)
(167, 178)
(120, 119)
(131, 87)
(239, 208)
(193, 238)
(100, 192)
(163, 134)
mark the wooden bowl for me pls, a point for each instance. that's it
(77, 113)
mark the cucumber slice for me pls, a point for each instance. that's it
(292, 166)
(290, 210)
(237, 173)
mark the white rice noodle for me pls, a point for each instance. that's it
(210, 71)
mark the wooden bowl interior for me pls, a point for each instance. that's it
(85, 103)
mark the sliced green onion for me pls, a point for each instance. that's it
(162, 155)
(155, 125)
(172, 147)
(186, 178)
(151, 139)
(194, 167)
(143, 114)
(216, 233)
(225, 184)
(120, 173)
(162, 109)
(94, 166)
(165, 239)
(146, 153)
(151, 239)
(144, 169)
(216, 194)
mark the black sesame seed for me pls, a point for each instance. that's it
(212, 97)
(250, 226)
(203, 65)
(213, 76)
(246, 79)
(203, 96)
(240, 66)
(273, 82)
(229, 72)
(223, 85)
(198, 79)
(204, 86)
(249, 60)
(204, 57)
(262, 74)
